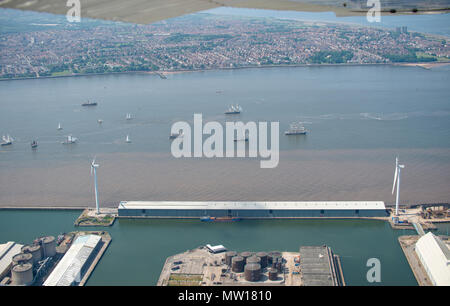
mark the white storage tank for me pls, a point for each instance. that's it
(22, 275)
(49, 246)
(35, 250)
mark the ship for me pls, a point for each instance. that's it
(70, 140)
(34, 144)
(175, 135)
(89, 104)
(233, 110)
(7, 140)
(219, 219)
(295, 129)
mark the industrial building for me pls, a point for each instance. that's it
(248, 210)
(434, 255)
(312, 266)
(73, 265)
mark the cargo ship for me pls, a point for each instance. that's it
(89, 104)
(219, 219)
(295, 129)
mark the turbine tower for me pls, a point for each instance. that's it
(398, 168)
(94, 167)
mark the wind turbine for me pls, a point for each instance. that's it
(398, 168)
(94, 167)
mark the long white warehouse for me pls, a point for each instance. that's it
(434, 255)
(70, 270)
(191, 209)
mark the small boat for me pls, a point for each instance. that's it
(70, 140)
(59, 127)
(127, 140)
(175, 135)
(7, 140)
(233, 110)
(295, 129)
(89, 104)
(34, 144)
(100, 121)
(219, 219)
(128, 117)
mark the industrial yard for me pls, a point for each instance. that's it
(214, 266)
(67, 260)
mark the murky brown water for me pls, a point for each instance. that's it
(302, 175)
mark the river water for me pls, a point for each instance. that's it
(358, 118)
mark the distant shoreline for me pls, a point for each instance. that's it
(426, 65)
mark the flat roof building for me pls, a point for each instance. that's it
(70, 270)
(254, 209)
(434, 255)
(7, 252)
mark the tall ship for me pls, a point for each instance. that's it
(89, 104)
(70, 139)
(7, 140)
(296, 129)
(233, 110)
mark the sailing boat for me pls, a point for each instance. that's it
(128, 116)
(59, 127)
(70, 140)
(128, 139)
(34, 144)
(7, 140)
(233, 109)
(175, 135)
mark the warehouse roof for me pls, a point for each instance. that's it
(339, 205)
(435, 256)
(68, 269)
(7, 252)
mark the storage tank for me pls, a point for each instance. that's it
(34, 250)
(252, 272)
(263, 256)
(237, 264)
(280, 265)
(22, 275)
(273, 274)
(253, 260)
(272, 255)
(246, 255)
(49, 246)
(22, 258)
(228, 256)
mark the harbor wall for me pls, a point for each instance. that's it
(253, 213)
